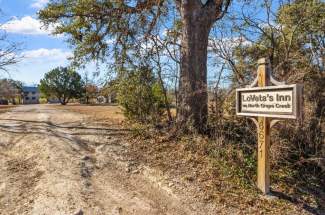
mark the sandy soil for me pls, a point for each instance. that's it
(57, 162)
(5, 108)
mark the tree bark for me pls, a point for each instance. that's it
(193, 96)
(62, 99)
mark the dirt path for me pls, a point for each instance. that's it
(55, 162)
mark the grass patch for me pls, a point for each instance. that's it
(107, 114)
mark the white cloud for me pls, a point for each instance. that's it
(227, 43)
(39, 3)
(42, 53)
(26, 25)
(36, 62)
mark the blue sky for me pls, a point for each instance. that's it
(42, 51)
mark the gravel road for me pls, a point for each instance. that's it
(57, 162)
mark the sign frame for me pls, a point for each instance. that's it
(265, 121)
(297, 101)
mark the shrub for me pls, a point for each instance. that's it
(140, 95)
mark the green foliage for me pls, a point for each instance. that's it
(62, 83)
(140, 95)
(92, 25)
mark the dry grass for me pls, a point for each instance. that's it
(219, 180)
(108, 114)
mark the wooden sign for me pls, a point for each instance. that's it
(269, 104)
(274, 101)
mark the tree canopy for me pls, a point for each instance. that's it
(62, 83)
(122, 32)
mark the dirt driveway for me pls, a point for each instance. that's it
(56, 162)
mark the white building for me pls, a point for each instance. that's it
(31, 95)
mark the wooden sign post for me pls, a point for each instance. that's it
(269, 104)
(263, 130)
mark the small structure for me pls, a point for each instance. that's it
(31, 95)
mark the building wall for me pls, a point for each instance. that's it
(31, 96)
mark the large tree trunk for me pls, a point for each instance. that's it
(193, 96)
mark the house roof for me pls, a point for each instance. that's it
(30, 89)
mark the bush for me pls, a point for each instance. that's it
(140, 95)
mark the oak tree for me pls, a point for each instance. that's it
(93, 24)
(62, 83)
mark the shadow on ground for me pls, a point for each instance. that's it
(75, 132)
